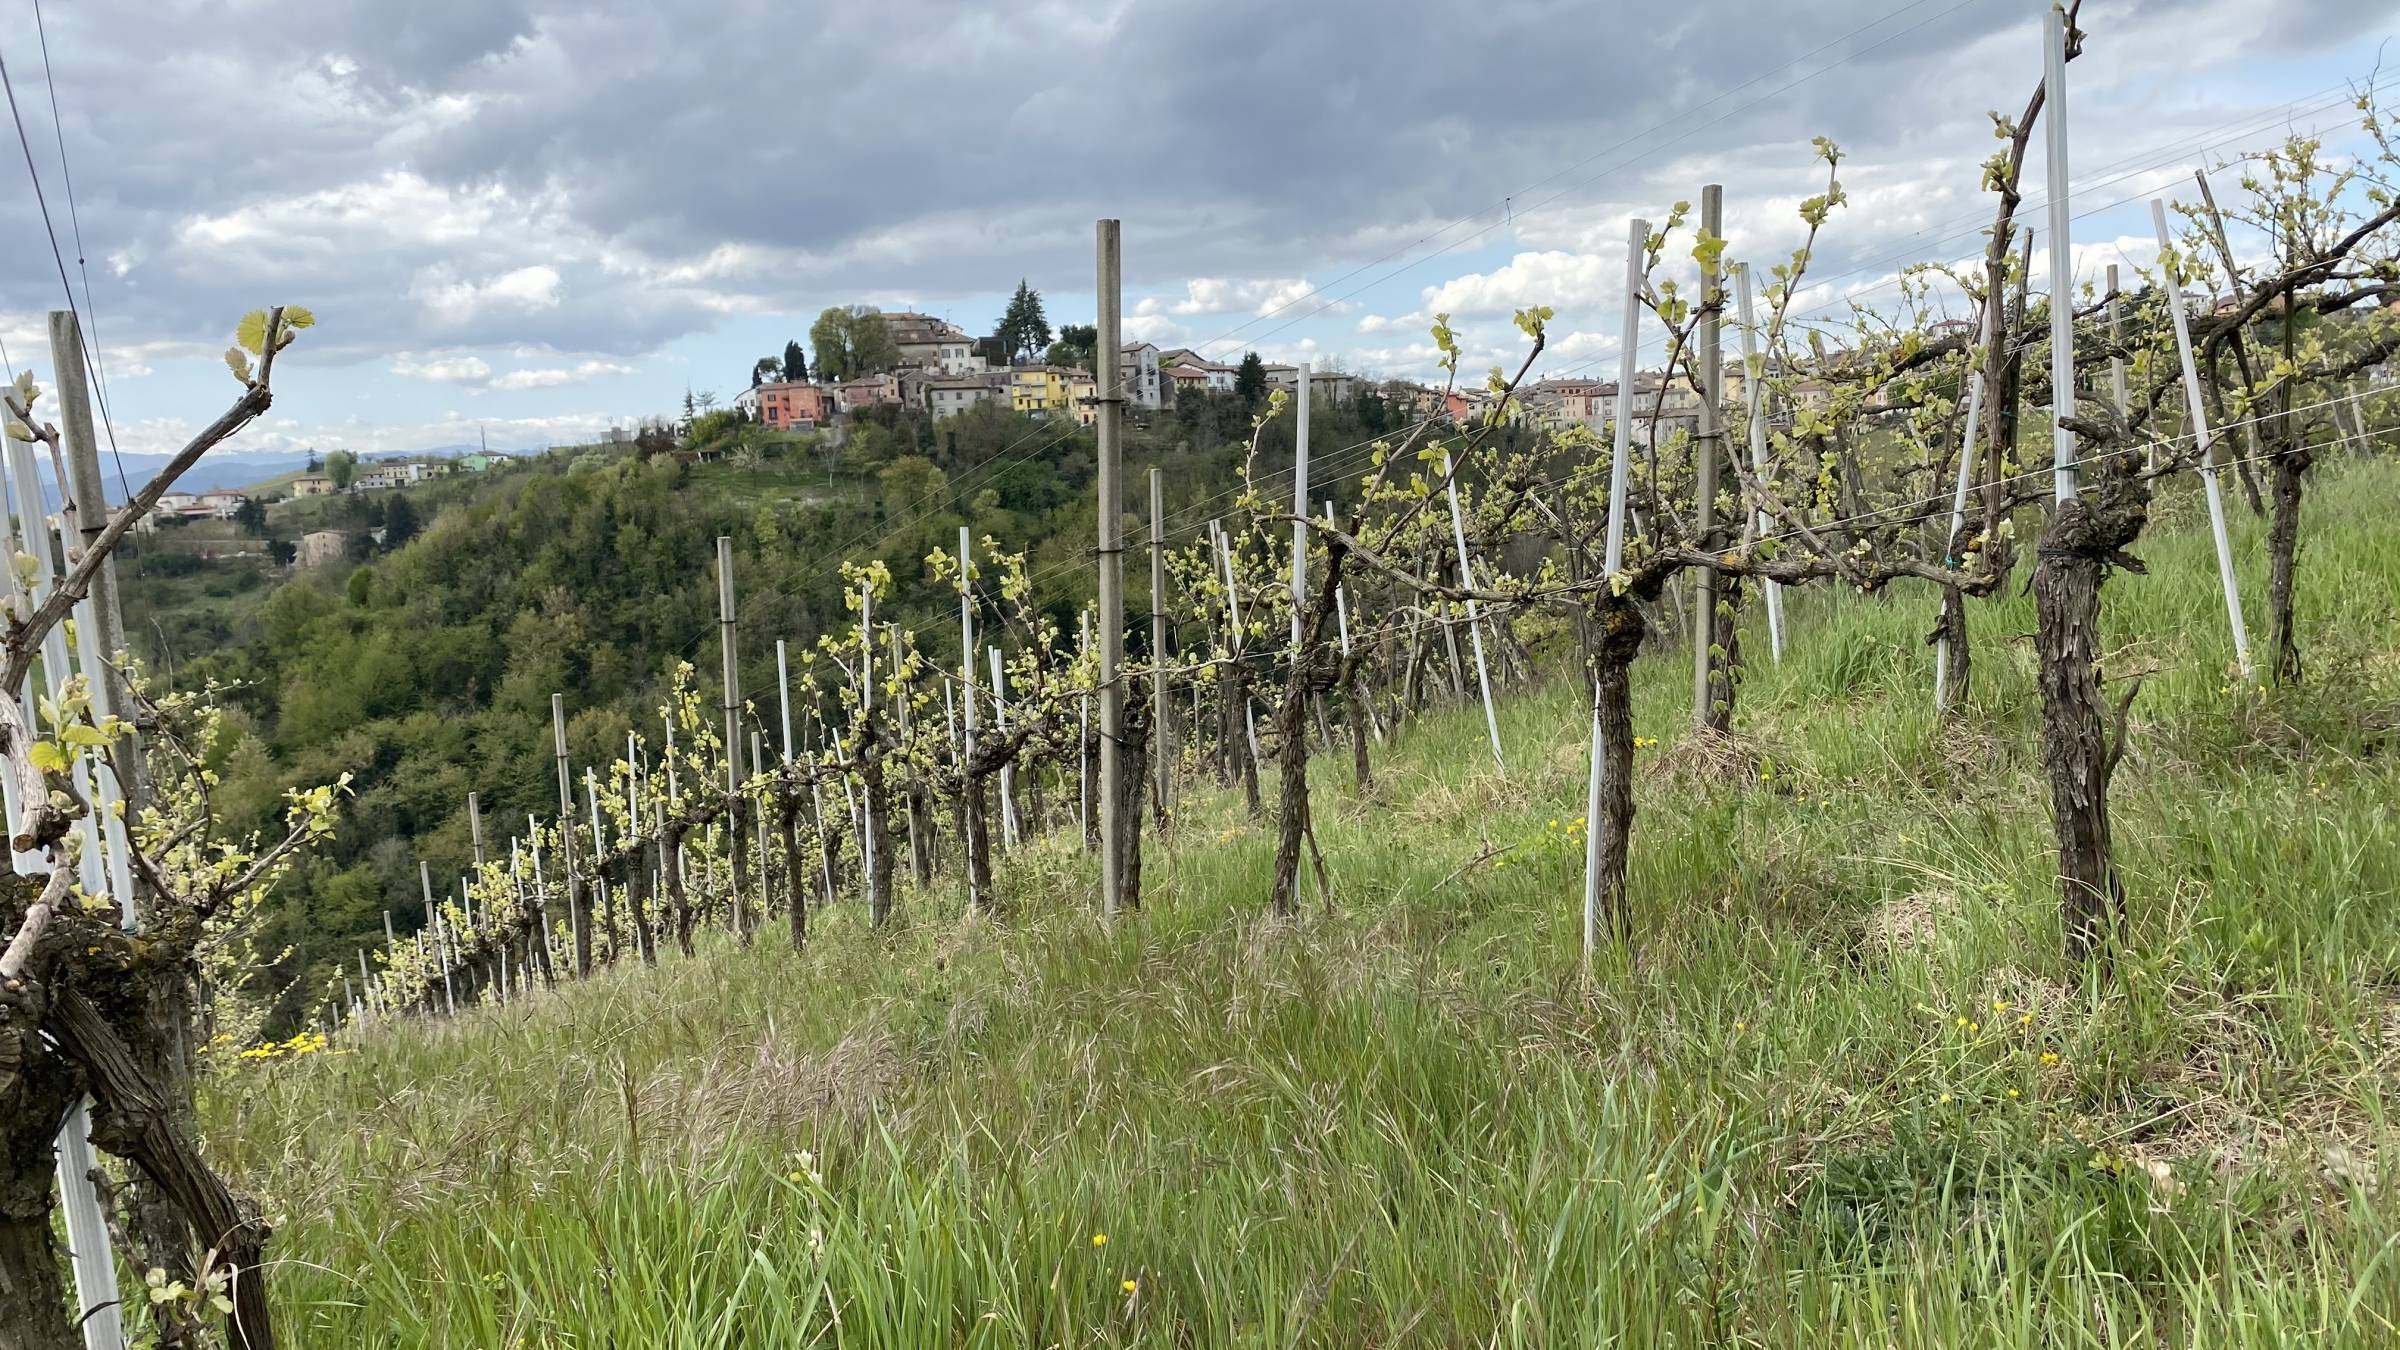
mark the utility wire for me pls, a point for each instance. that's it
(56, 254)
(90, 318)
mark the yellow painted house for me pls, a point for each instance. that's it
(1040, 390)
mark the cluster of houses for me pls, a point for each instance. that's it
(393, 473)
(1671, 406)
(945, 372)
(215, 504)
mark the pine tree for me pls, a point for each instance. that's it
(1250, 382)
(399, 521)
(1024, 329)
(795, 361)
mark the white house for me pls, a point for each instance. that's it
(950, 395)
(1137, 366)
(391, 476)
(1213, 375)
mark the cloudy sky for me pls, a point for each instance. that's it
(542, 216)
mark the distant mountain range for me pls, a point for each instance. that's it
(221, 470)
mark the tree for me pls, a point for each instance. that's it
(912, 486)
(1077, 345)
(342, 467)
(399, 521)
(851, 342)
(1372, 411)
(795, 362)
(251, 515)
(1250, 382)
(282, 551)
(873, 350)
(830, 335)
(1024, 330)
(767, 368)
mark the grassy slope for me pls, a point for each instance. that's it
(1811, 1107)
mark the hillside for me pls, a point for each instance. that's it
(1841, 1089)
(426, 671)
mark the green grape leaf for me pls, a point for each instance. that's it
(251, 333)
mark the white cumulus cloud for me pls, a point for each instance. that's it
(456, 369)
(551, 377)
(1552, 277)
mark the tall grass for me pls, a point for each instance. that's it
(1842, 1090)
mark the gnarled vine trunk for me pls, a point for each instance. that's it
(1725, 656)
(670, 862)
(2283, 562)
(1291, 770)
(975, 829)
(1235, 691)
(134, 1119)
(876, 801)
(1621, 630)
(1356, 712)
(35, 1093)
(1950, 634)
(637, 886)
(2086, 538)
(1133, 785)
(795, 891)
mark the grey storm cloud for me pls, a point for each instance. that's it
(605, 177)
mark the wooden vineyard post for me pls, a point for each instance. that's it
(2116, 360)
(1709, 659)
(1117, 834)
(604, 902)
(637, 866)
(1162, 726)
(1008, 786)
(441, 946)
(1300, 510)
(732, 707)
(579, 919)
(966, 700)
(1085, 824)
